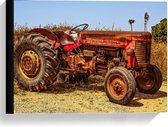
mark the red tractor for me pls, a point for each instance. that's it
(123, 58)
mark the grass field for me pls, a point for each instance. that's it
(84, 98)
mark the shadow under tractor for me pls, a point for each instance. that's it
(121, 57)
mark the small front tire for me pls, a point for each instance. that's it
(120, 85)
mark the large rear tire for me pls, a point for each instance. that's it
(35, 62)
(120, 85)
(152, 83)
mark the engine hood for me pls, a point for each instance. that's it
(127, 35)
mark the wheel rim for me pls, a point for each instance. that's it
(117, 87)
(146, 83)
(29, 64)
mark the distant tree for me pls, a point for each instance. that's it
(131, 21)
(159, 31)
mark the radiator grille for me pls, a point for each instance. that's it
(140, 53)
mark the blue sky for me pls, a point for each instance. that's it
(96, 14)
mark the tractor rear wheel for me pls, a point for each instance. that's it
(120, 85)
(152, 83)
(35, 62)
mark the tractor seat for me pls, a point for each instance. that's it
(66, 40)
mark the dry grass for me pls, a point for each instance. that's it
(84, 98)
(159, 57)
(20, 30)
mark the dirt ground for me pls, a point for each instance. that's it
(88, 97)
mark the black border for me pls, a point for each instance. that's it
(9, 56)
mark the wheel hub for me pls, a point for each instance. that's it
(30, 63)
(117, 87)
(146, 83)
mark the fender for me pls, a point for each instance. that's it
(51, 36)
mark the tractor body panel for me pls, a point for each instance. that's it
(101, 49)
(136, 42)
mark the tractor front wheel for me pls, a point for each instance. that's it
(120, 85)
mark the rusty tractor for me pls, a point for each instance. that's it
(121, 57)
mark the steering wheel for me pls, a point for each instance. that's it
(79, 28)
